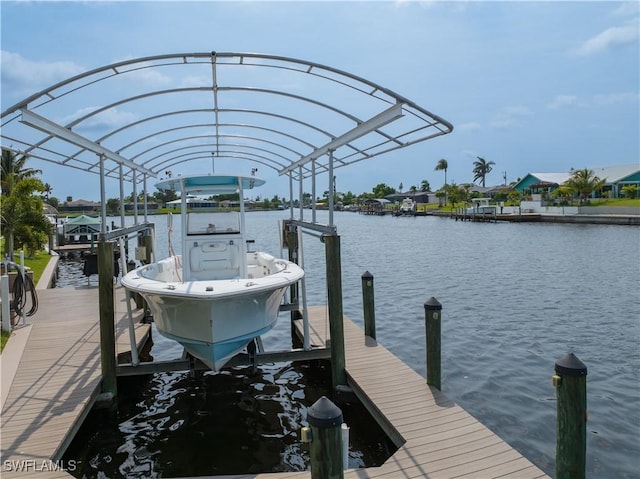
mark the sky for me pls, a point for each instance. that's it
(532, 86)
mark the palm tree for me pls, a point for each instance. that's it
(47, 190)
(481, 169)
(22, 214)
(443, 165)
(13, 170)
(584, 182)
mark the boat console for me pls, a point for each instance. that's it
(214, 247)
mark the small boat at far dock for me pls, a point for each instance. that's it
(407, 208)
(216, 297)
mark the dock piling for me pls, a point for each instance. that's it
(432, 313)
(325, 448)
(334, 300)
(570, 382)
(368, 305)
(107, 313)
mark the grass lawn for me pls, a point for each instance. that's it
(4, 339)
(626, 202)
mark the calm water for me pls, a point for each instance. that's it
(515, 297)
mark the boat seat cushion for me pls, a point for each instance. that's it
(213, 259)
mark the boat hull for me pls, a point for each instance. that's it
(214, 319)
(215, 330)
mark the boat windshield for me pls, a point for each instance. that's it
(213, 223)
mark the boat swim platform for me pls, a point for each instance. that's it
(56, 380)
(51, 377)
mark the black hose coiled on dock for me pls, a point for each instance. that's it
(21, 286)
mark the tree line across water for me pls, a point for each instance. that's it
(24, 195)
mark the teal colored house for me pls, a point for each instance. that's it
(616, 178)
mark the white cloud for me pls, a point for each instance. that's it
(609, 38)
(150, 77)
(616, 98)
(517, 110)
(27, 75)
(110, 118)
(503, 123)
(570, 101)
(563, 101)
(627, 9)
(472, 125)
(195, 81)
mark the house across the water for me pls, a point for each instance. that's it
(616, 178)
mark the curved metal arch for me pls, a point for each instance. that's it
(177, 150)
(224, 110)
(196, 137)
(210, 110)
(77, 122)
(222, 125)
(234, 157)
(213, 58)
(206, 154)
(432, 125)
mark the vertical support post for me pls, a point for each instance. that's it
(292, 246)
(570, 381)
(291, 195)
(331, 184)
(313, 191)
(144, 188)
(107, 311)
(306, 344)
(121, 195)
(368, 304)
(103, 200)
(300, 194)
(132, 330)
(325, 449)
(432, 310)
(334, 297)
(23, 273)
(135, 197)
(147, 242)
(6, 312)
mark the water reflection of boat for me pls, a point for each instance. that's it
(216, 297)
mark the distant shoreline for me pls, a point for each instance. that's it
(608, 219)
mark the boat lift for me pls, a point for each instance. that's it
(329, 119)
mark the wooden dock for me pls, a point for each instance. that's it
(435, 437)
(75, 248)
(56, 379)
(51, 377)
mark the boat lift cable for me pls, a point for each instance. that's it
(23, 289)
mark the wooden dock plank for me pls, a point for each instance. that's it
(57, 379)
(59, 376)
(440, 439)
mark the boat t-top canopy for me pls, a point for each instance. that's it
(209, 184)
(153, 115)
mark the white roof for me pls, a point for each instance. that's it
(557, 178)
(615, 173)
(611, 174)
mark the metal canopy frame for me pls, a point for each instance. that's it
(157, 114)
